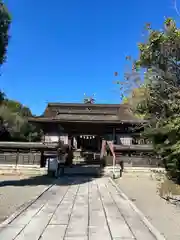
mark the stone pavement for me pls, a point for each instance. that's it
(78, 209)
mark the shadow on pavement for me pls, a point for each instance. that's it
(68, 178)
(46, 180)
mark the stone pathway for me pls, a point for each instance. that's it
(78, 209)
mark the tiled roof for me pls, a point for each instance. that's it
(86, 117)
(65, 112)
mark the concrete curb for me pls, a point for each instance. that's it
(23, 208)
(146, 222)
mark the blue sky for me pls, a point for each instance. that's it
(61, 49)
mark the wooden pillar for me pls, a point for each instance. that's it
(17, 157)
(99, 143)
(75, 144)
(42, 159)
(114, 134)
(70, 153)
(69, 141)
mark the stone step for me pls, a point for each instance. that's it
(83, 170)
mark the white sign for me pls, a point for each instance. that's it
(51, 139)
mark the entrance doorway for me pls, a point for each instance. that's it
(88, 143)
(86, 156)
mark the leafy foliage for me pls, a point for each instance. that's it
(17, 107)
(5, 21)
(2, 97)
(159, 55)
(15, 124)
(13, 115)
(135, 101)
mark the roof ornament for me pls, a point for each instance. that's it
(89, 100)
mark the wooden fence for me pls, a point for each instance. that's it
(25, 153)
(135, 156)
(21, 158)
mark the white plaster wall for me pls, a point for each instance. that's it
(125, 140)
(64, 138)
(55, 138)
(51, 138)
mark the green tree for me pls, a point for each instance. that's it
(5, 21)
(14, 119)
(13, 115)
(17, 107)
(2, 97)
(134, 100)
(160, 57)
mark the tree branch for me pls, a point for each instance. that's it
(176, 7)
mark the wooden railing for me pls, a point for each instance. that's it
(28, 145)
(135, 156)
(134, 147)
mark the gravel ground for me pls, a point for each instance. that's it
(142, 190)
(16, 191)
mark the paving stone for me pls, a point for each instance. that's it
(78, 224)
(63, 211)
(76, 238)
(98, 227)
(55, 232)
(117, 225)
(122, 239)
(26, 216)
(36, 227)
(96, 233)
(9, 233)
(81, 210)
(133, 220)
(38, 223)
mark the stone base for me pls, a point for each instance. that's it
(11, 169)
(108, 171)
